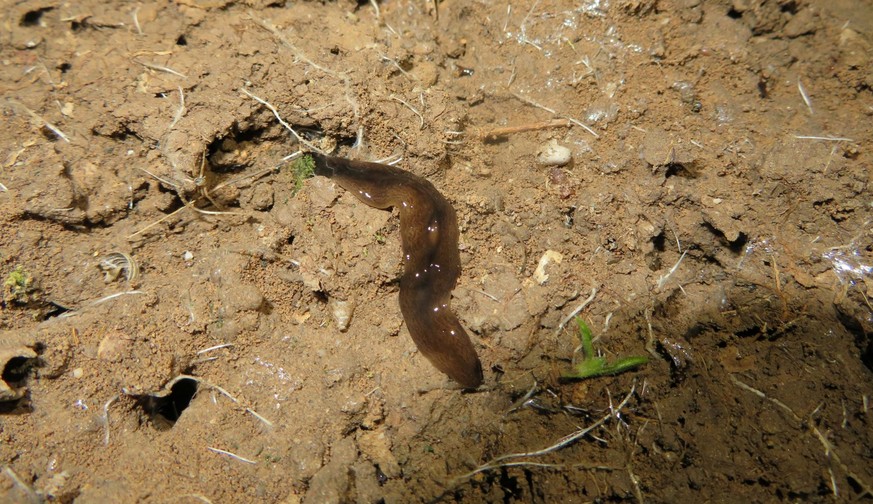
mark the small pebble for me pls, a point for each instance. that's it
(554, 154)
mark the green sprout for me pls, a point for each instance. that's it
(591, 365)
(18, 286)
(302, 169)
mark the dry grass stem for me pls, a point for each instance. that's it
(805, 96)
(223, 392)
(575, 311)
(509, 130)
(180, 112)
(663, 278)
(410, 107)
(824, 138)
(49, 126)
(375, 5)
(216, 347)
(555, 112)
(523, 27)
(160, 68)
(231, 455)
(300, 55)
(499, 462)
(279, 118)
(116, 295)
(135, 16)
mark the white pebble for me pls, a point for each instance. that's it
(342, 313)
(553, 154)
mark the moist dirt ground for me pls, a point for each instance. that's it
(184, 319)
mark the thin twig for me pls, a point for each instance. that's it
(555, 112)
(509, 130)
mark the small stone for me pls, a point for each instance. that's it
(554, 154)
(342, 313)
(549, 256)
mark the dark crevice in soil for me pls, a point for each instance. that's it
(33, 18)
(164, 411)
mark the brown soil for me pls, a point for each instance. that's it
(719, 208)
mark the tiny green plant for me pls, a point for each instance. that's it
(18, 286)
(302, 169)
(591, 365)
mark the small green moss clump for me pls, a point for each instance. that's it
(19, 287)
(302, 169)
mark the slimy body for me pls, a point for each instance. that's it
(432, 263)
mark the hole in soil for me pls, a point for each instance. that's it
(745, 333)
(164, 411)
(762, 89)
(680, 170)
(653, 258)
(33, 18)
(737, 246)
(56, 310)
(569, 217)
(182, 41)
(65, 67)
(380, 476)
(863, 341)
(734, 14)
(16, 370)
(511, 489)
